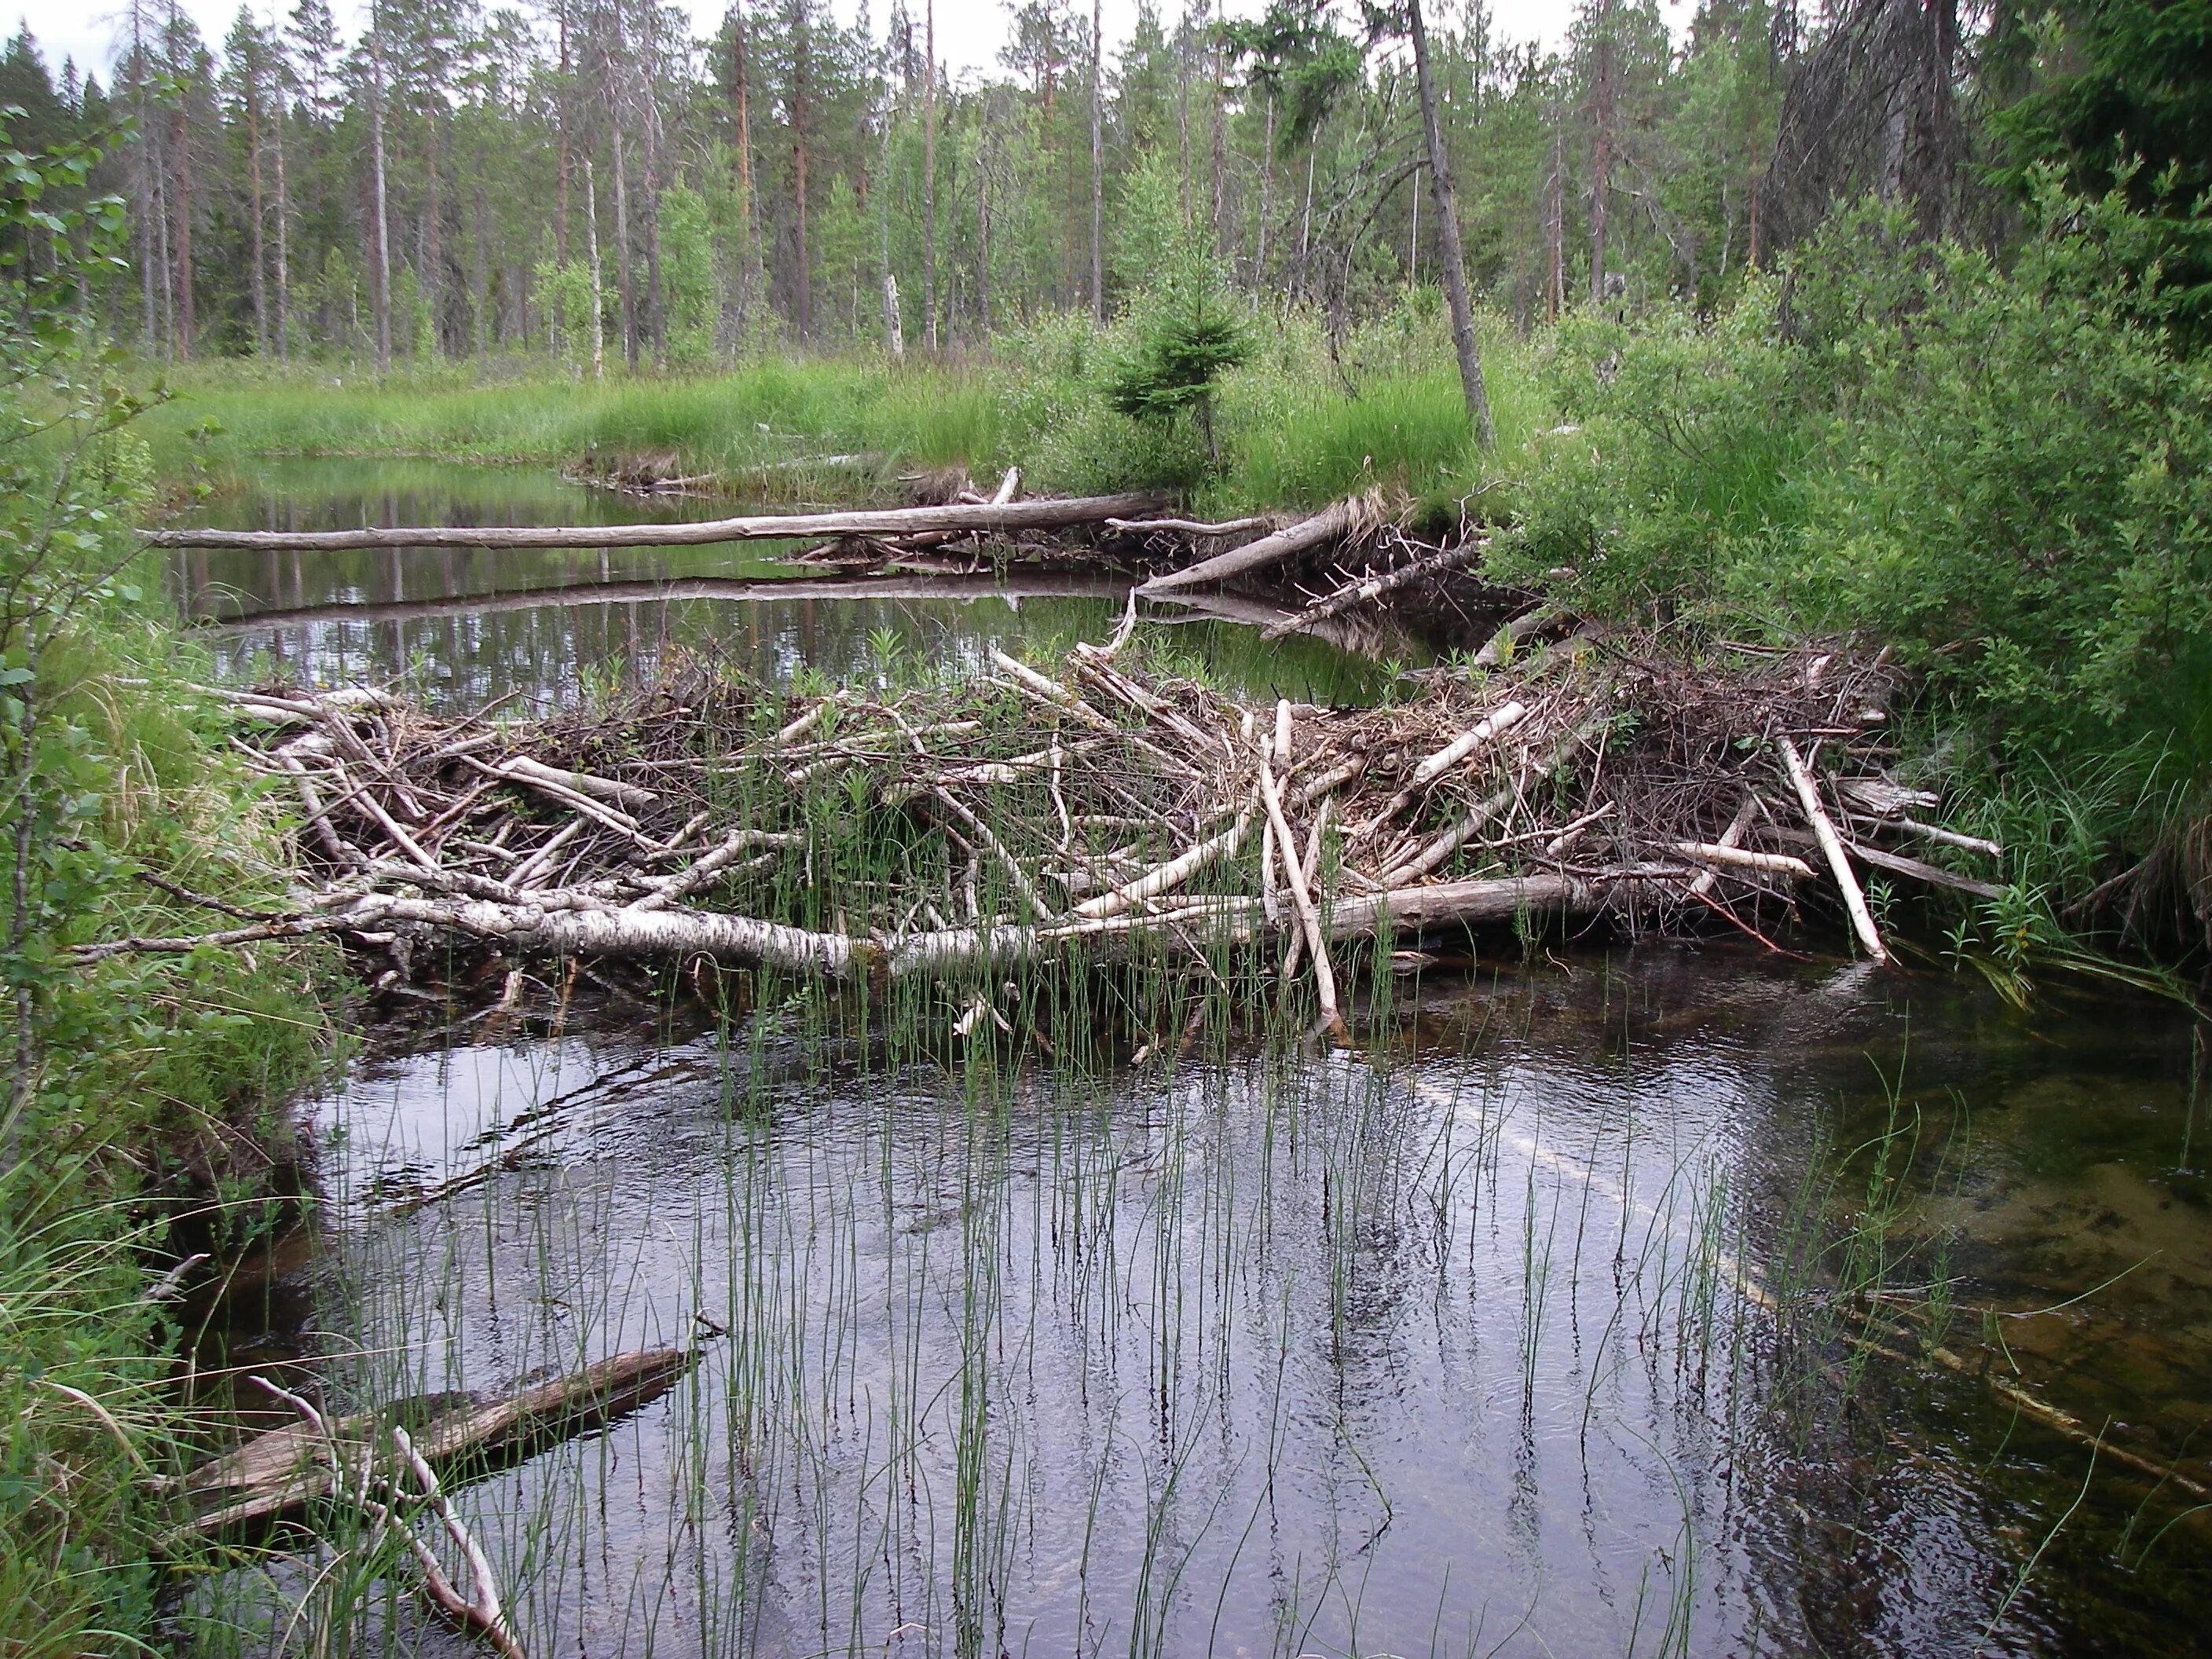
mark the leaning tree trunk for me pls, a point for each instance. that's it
(1455, 263)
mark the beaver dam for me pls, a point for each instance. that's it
(1031, 1148)
(1091, 808)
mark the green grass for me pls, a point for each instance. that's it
(1293, 430)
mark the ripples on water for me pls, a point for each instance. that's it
(1459, 1344)
(1519, 1332)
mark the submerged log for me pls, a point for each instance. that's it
(277, 1476)
(988, 517)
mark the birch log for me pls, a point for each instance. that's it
(1325, 525)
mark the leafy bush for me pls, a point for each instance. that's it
(1998, 471)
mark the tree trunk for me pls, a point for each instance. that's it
(380, 233)
(598, 299)
(983, 219)
(257, 249)
(656, 320)
(929, 175)
(1098, 162)
(1266, 199)
(625, 285)
(1602, 113)
(1220, 138)
(1328, 524)
(803, 300)
(181, 158)
(1555, 203)
(561, 150)
(1454, 261)
(431, 244)
(284, 241)
(479, 259)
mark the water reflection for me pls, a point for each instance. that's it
(466, 627)
(1458, 1346)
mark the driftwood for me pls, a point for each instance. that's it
(1831, 848)
(276, 1476)
(1194, 526)
(386, 1491)
(1330, 524)
(1500, 646)
(1044, 514)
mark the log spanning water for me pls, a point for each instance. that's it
(986, 518)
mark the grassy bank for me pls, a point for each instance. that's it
(143, 1098)
(149, 1121)
(1293, 428)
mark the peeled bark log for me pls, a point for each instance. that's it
(1832, 847)
(1353, 594)
(1328, 525)
(1040, 515)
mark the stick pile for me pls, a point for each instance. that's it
(954, 829)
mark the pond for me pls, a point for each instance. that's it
(462, 629)
(1533, 1325)
(1632, 1301)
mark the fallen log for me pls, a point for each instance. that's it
(1720, 853)
(1285, 847)
(1371, 588)
(1330, 524)
(1194, 526)
(276, 1476)
(989, 517)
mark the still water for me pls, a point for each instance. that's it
(1591, 1306)
(462, 629)
(1522, 1328)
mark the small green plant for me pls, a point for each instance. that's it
(1182, 337)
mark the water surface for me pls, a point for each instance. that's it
(1513, 1331)
(465, 628)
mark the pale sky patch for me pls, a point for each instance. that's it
(969, 33)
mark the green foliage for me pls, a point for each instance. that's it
(687, 277)
(1181, 336)
(133, 1079)
(2118, 93)
(1999, 471)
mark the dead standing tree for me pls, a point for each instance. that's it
(1871, 107)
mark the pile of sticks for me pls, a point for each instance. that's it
(1092, 808)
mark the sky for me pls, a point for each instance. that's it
(968, 32)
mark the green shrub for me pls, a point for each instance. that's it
(1999, 471)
